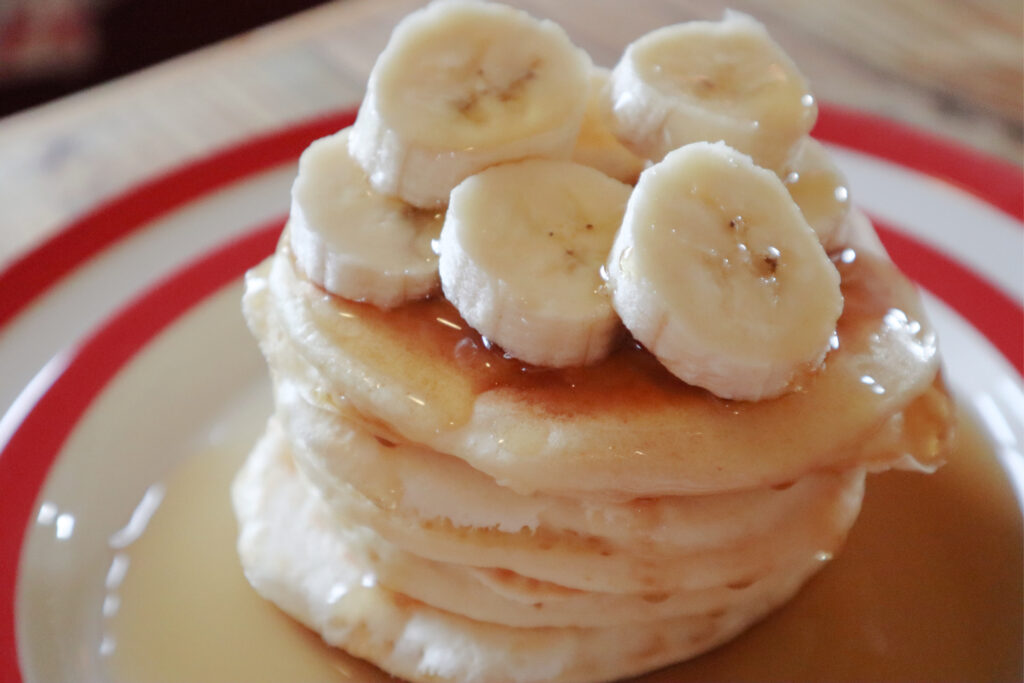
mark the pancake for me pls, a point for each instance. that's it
(620, 429)
(294, 556)
(819, 512)
(415, 482)
(595, 564)
(476, 593)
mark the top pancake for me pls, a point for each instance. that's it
(624, 427)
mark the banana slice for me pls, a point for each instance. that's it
(521, 252)
(462, 86)
(716, 271)
(596, 146)
(710, 81)
(819, 188)
(857, 233)
(353, 241)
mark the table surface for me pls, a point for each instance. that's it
(951, 68)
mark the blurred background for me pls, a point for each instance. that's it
(950, 67)
(50, 48)
(961, 60)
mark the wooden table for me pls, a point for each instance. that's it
(952, 68)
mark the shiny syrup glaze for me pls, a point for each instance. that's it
(692, 441)
(630, 376)
(928, 587)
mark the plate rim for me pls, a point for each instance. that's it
(35, 444)
(45, 266)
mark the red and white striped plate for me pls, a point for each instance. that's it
(122, 347)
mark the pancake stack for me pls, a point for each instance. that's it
(428, 500)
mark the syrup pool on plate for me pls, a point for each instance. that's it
(928, 587)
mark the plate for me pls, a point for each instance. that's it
(131, 387)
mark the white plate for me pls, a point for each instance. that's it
(122, 351)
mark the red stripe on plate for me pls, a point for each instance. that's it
(39, 269)
(27, 458)
(998, 182)
(988, 309)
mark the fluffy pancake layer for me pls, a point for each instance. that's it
(300, 554)
(414, 482)
(811, 518)
(623, 428)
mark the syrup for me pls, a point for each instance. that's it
(184, 611)
(443, 344)
(688, 437)
(928, 587)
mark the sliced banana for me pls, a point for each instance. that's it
(354, 241)
(596, 146)
(819, 188)
(716, 271)
(702, 80)
(462, 86)
(857, 233)
(521, 252)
